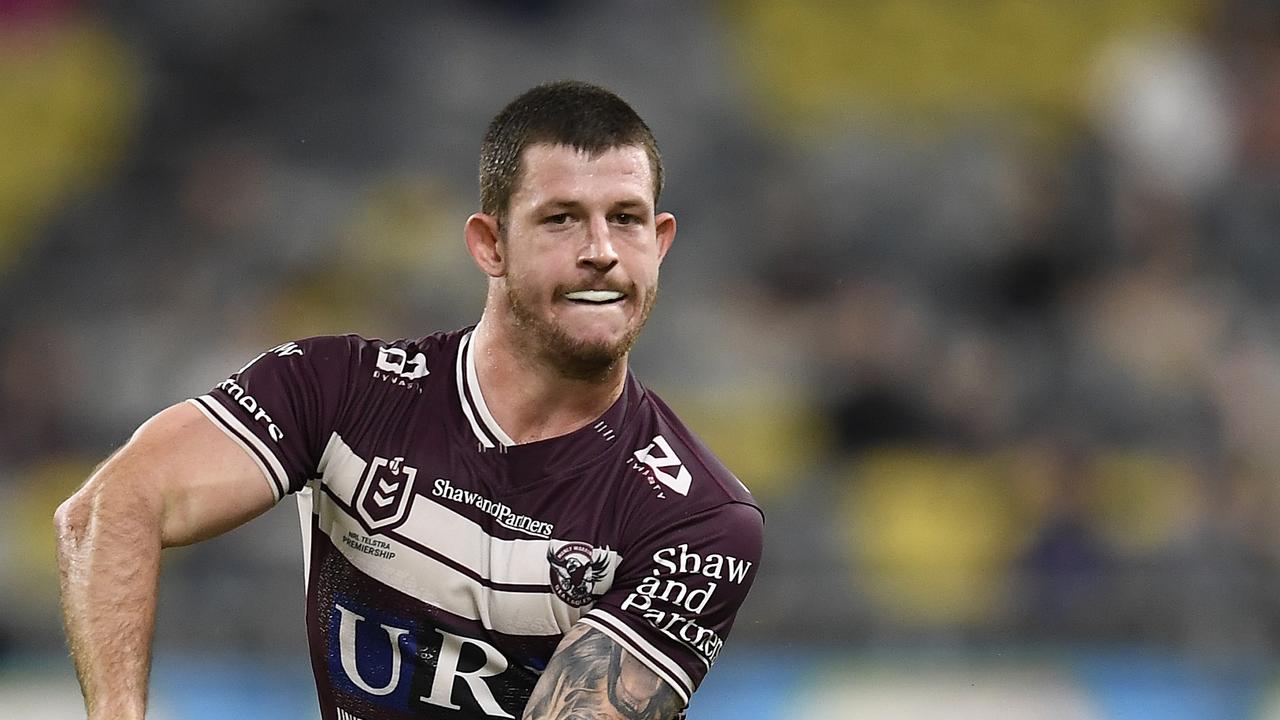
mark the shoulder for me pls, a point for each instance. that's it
(316, 351)
(336, 366)
(365, 349)
(405, 357)
(678, 459)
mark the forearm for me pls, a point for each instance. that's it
(590, 677)
(108, 561)
(178, 480)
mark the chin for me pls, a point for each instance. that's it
(588, 357)
(579, 347)
(605, 340)
(586, 353)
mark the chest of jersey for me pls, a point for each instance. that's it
(431, 568)
(475, 533)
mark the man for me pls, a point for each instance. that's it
(498, 522)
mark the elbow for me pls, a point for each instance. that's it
(71, 520)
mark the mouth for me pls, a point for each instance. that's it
(594, 297)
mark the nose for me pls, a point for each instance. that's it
(598, 252)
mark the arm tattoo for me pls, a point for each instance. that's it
(591, 677)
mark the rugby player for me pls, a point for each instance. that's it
(498, 521)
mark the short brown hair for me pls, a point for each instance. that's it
(577, 114)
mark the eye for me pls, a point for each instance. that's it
(557, 219)
(626, 219)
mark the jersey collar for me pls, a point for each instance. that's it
(486, 429)
(542, 456)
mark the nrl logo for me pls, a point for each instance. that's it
(384, 494)
(579, 572)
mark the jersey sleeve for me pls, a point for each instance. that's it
(280, 407)
(675, 594)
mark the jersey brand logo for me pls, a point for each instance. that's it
(397, 361)
(660, 459)
(287, 349)
(385, 493)
(282, 350)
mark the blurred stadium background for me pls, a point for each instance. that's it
(979, 298)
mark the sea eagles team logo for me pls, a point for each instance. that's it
(579, 572)
(385, 493)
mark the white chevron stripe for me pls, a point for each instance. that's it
(431, 523)
(340, 468)
(435, 583)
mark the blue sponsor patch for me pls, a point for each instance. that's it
(371, 653)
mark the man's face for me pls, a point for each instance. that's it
(583, 245)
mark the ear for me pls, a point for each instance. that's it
(484, 241)
(665, 224)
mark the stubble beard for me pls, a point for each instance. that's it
(549, 342)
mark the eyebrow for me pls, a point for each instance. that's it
(627, 204)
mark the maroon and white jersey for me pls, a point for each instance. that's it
(445, 562)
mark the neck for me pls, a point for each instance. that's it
(532, 400)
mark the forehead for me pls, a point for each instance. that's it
(560, 172)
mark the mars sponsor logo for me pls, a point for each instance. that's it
(398, 662)
(385, 493)
(679, 589)
(580, 572)
(251, 406)
(397, 367)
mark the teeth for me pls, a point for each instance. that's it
(595, 296)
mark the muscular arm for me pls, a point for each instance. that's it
(591, 677)
(176, 481)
